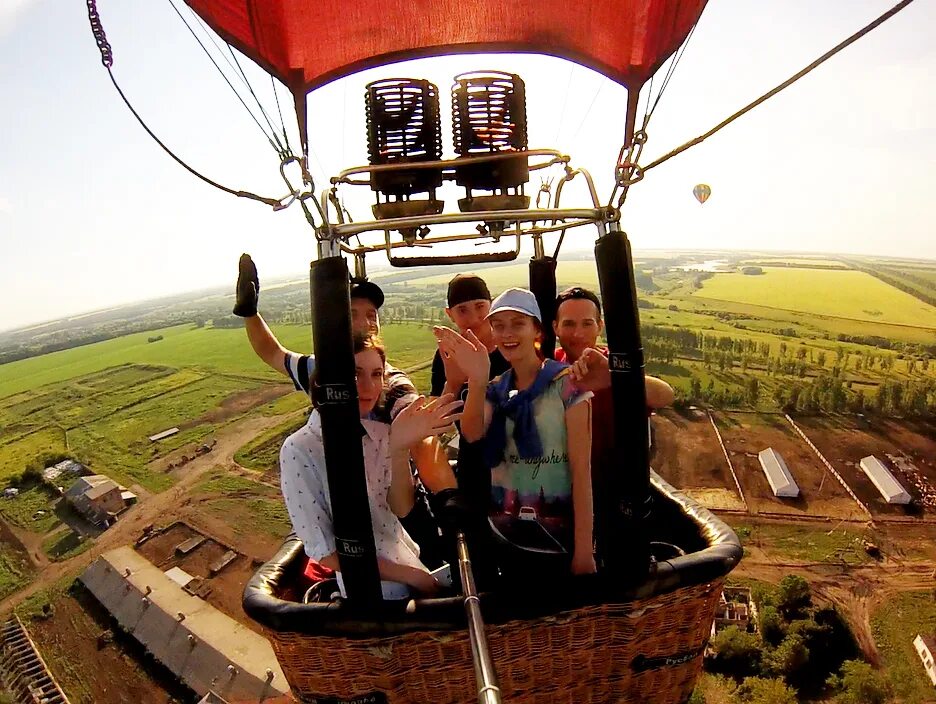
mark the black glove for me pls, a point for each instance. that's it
(248, 288)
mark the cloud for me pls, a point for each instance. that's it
(5, 205)
(10, 10)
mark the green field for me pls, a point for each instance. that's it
(212, 349)
(842, 294)
(895, 624)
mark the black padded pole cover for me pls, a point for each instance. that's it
(543, 286)
(335, 394)
(622, 488)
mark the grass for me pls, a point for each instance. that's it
(247, 506)
(843, 294)
(805, 543)
(15, 571)
(17, 452)
(221, 483)
(20, 509)
(265, 515)
(262, 452)
(895, 624)
(65, 544)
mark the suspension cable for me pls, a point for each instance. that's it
(669, 72)
(276, 146)
(792, 79)
(107, 60)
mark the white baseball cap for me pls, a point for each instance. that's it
(519, 300)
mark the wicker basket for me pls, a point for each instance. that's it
(646, 647)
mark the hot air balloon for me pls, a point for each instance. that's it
(702, 192)
(663, 557)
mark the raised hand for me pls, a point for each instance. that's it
(468, 352)
(423, 419)
(591, 371)
(248, 288)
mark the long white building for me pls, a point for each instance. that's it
(881, 477)
(778, 475)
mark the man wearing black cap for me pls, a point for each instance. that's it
(366, 299)
(469, 302)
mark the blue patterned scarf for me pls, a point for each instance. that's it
(518, 406)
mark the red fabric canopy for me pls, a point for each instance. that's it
(307, 43)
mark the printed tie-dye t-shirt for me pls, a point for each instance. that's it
(532, 497)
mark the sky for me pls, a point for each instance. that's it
(94, 214)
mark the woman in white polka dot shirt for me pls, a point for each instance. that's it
(386, 463)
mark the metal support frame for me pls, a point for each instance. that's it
(492, 225)
(622, 480)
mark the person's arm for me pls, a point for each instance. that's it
(247, 298)
(432, 465)
(591, 372)
(578, 426)
(472, 358)
(659, 393)
(401, 496)
(303, 483)
(422, 420)
(265, 345)
(394, 572)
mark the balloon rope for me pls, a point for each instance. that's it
(822, 59)
(107, 58)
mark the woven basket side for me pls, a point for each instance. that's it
(586, 656)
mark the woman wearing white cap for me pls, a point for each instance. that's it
(536, 427)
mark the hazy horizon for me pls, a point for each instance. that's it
(93, 214)
(376, 263)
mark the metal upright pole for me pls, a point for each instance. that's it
(623, 491)
(485, 675)
(335, 395)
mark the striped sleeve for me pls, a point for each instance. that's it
(299, 369)
(399, 391)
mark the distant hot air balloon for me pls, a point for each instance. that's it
(702, 192)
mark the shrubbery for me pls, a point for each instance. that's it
(799, 648)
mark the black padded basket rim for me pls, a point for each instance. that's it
(721, 553)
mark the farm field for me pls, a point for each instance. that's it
(895, 622)
(844, 294)
(688, 456)
(746, 434)
(223, 350)
(843, 443)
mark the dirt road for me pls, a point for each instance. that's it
(155, 509)
(856, 590)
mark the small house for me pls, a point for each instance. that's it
(98, 498)
(883, 480)
(926, 648)
(735, 608)
(778, 474)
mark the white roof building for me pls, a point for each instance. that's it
(926, 649)
(881, 477)
(777, 473)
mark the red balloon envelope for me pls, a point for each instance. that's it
(307, 43)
